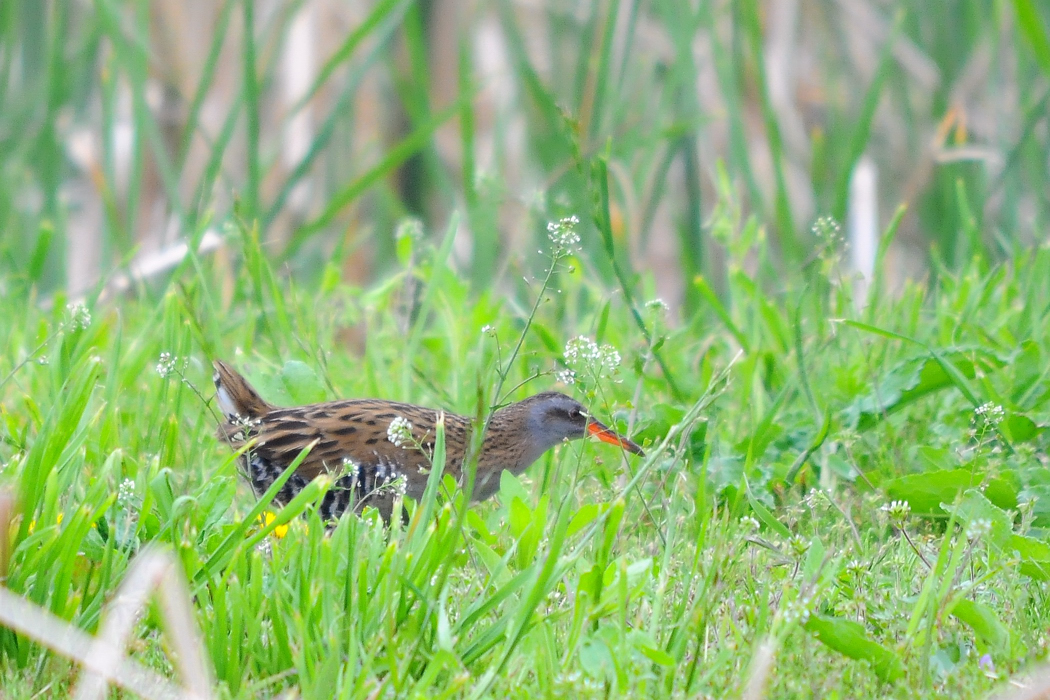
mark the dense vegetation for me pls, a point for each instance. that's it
(845, 494)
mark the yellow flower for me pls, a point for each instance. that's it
(266, 518)
(32, 523)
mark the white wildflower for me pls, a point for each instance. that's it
(990, 413)
(399, 432)
(351, 469)
(125, 493)
(488, 330)
(580, 349)
(565, 376)
(898, 511)
(409, 228)
(166, 364)
(978, 529)
(610, 358)
(126, 504)
(658, 306)
(828, 230)
(798, 610)
(79, 315)
(583, 355)
(563, 236)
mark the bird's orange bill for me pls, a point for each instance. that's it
(613, 438)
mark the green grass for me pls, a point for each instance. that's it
(661, 576)
(760, 545)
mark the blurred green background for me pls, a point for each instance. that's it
(127, 127)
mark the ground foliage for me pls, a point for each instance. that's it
(860, 493)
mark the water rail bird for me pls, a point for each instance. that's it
(376, 449)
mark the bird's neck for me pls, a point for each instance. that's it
(509, 445)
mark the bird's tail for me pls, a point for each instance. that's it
(236, 397)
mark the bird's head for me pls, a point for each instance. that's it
(552, 417)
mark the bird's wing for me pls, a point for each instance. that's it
(353, 435)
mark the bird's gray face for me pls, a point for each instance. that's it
(555, 417)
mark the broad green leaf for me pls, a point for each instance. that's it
(477, 523)
(590, 583)
(644, 643)
(849, 638)
(725, 471)
(926, 492)
(975, 506)
(658, 656)
(814, 559)
(1040, 493)
(596, 658)
(1018, 427)
(915, 378)
(985, 624)
(1035, 556)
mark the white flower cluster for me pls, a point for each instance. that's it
(388, 478)
(79, 315)
(565, 376)
(658, 306)
(828, 230)
(990, 414)
(563, 236)
(978, 529)
(749, 523)
(582, 349)
(127, 505)
(897, 510)
(798, 610)
(584, 356)
(386, 472)
(399, 432)
(125, 493)
(166, 364)
(409, 228)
